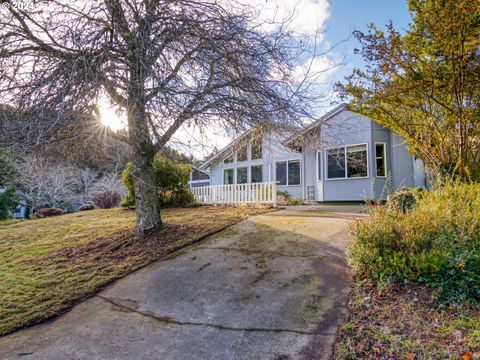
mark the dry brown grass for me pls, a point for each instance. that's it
(48, 265)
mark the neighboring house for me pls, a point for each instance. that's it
(198, 178)
(343, 156)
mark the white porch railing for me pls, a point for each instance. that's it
(234, 194)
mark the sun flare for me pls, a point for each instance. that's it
(110, 117)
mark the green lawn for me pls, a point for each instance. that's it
(48, 265)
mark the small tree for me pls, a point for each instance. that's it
(424, 85)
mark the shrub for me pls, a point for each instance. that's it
(86, 207)
(106, 199)
(294, 201)
(436, 242)
(171, 181)
(46, 212)
(403, 199)
(8, 203)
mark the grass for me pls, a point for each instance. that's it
(49, 265)
(405, 323)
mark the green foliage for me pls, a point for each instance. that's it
(171, 180)
(423, 85)
(127, 178)
(436, 242)
(8, 203)
(8, 173)
(403, 199)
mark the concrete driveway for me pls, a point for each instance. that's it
(272, 287)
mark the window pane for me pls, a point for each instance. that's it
(380, 159)
(228, 176)
(294, 172)
(228, 159)
(281, 173)
(242, 177)
(336, 163)
(256, 148)
(357, 161)
(256, 174)
(242, 154)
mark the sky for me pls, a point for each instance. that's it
(338, 18)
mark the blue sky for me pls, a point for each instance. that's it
(346, 16)
(338, 18)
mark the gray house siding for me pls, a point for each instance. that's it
(347, 128)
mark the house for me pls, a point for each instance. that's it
(343, 156)
(198, 178)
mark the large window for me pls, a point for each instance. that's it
(288, 172)
(228, 176)
(347, 162)
(242, 175)
(242, 154)
(256, 148)
(256, 173)
(380, 160)
(336, 163)
(357, 166)
(281, 173)
(294, 172)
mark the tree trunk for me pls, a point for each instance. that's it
(146, 204)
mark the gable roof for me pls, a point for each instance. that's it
(222, 151)
(317, 122)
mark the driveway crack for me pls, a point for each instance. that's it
(168, 320)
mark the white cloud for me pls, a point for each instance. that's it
(319, 70)
(305, 16)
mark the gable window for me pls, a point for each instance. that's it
(242, 175)
(228, 176)
(242, 154)
(347, 162)
(256, 173)
(336, 163)
(357, 166)
(288, 172)
(380, 160)
(256, 148)
(228, 159)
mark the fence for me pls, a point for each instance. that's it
(234, 194)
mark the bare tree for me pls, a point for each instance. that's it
(165, 63)
(45, 184)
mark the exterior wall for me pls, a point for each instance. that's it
(402, 170)
(347, 128)
(342, 129)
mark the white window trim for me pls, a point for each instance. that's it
(384, 159)
(346, 169)
(286, 171)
